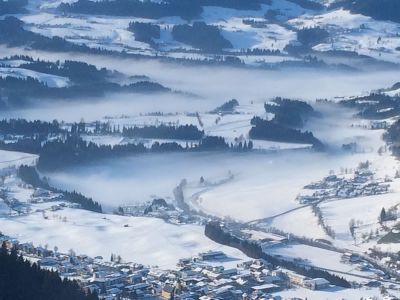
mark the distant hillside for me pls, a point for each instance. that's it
(187, 9)
(12, 6)
(387, 10)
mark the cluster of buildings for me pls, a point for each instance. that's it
(39, 195)
(389, 260)
(201, 277)
(158, 208)
(264, 239)
(379, 124)
(334, 187)
(362, 264)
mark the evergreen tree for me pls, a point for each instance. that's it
(382, 216)
(21, 280)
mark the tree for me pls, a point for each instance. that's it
(352, 227)
(19, 279)
(250, 145)
(310, 37)
(71, 253)
(382, 216)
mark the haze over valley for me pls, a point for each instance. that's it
(199, 149)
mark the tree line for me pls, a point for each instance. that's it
(271, 131)
(77, 71)
(392, 136)
(290, 113)
(86, 80)
(312, 36)
(187, 9)
(29, 128)
(145, 32)
(73, 150)
(201, 36)
(29, 175)
(386, 10)
(21, 280)
(68, 148)
(375, 106)
(135, 8)
(215, 232)
(226, 108)
(182, 132)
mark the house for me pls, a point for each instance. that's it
(296, 279)
(316, 284)
(27, 248)
(92, 288)
(266, 288)
(40, 251)
(168, 292)
(350, 258)
(274, 279)
(134, 278)
(184, 262)
(39, 192)
(114, 292)
(212, 255)
(48, 261)
(229, 272)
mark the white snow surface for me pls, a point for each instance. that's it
(50, 80)
(12, 158)
(146, 240)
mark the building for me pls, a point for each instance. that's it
(266, 288)
(168, 292)
(212, 255)
(316, 284)
(296, 279)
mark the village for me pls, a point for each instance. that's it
(204, 276)
(198, 277)
(361, 183)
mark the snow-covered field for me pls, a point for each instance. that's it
(150, 241)
(354, 32)
(11, 158)
(319, 257)
(364, 210)
(268, 185)
(332, 293)
(144, 240)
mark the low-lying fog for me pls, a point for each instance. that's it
(264, 183)
(213, 85)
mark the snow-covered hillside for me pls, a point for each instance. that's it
(272, 28)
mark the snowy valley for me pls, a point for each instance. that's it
(209, 149)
